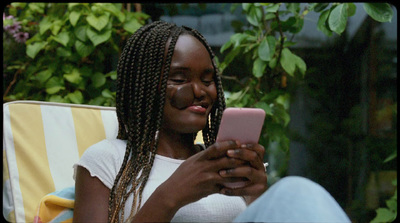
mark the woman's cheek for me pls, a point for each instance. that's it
(182, 96)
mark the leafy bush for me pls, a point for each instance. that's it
(70, 54)
(263, 47)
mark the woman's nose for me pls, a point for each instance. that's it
(198, 90)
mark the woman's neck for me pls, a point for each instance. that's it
(175, 145)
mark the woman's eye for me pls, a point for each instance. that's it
(208, 82)
(177, 80)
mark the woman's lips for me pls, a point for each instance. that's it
(197, 109)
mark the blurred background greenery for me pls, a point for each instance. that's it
(325, 73)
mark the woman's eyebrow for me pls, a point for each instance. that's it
(179, 67)
(209, 70)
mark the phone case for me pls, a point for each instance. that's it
(243, 124)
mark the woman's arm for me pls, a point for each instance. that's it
(91, 198)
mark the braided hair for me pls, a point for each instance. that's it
(141, 90)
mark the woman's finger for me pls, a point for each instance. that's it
(219, 149)
(249, 155)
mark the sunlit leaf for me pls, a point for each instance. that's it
(338, 18)
(33, 49)
(322, 23)
(74, 17)
(76, 97)
(381, 12)
(98, 37)
(259, 67)
(62, 38)
(54, 85)
(98, 22)
(83, 49)
(98, 79)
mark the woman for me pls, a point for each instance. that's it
(168, 89)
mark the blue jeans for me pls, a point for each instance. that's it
(294, 199)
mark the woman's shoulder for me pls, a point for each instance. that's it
(103, 160)
(110, 147)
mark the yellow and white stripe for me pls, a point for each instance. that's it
(41, 142)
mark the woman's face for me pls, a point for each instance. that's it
(191, 90)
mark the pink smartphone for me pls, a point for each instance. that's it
(243, 124)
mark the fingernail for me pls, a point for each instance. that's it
(222, 172)
(231, 152)
(244, 146)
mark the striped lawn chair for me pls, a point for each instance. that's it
(41, 142)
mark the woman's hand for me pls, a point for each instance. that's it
(254, 172)
(197, 177)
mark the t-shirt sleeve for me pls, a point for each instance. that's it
(103, 160)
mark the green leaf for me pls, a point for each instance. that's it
(351, 7)
(37, 7)
(391, 204)
(264, 106)
(290, 62)
(229, 57)
(112, 75)
(56, 98)
(18, 5)
(63, 52)
(297, 26)
(33, 49)
(54, 85)
(254, 16)
(80, 33)
(107, 93)
(272, 63)
(76, 97)
(300, 64)
(73, 77)
(98, 37)
(318, 7)
(45, 25)
(226, 45)
(56, 26)
(131, 25)
(246, 6)
(383, 215)
(284, 100)
(322, 23)
(293, 7)
(83, 49)
(338, 18)
(62, 38)
(287, 62)
(381, 12)
(97, 101)
(98, 22)
(98, 79)
(273, 8)
(264, 51)
(74, 17)
(391, 157)
(43, 76)
(110, 7)
(259, 67)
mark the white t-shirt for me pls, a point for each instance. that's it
(104, 159)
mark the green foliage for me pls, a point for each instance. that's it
(263, 45)
(389, 213)
(70, 55)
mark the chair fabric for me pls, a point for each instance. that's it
(41, 142)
